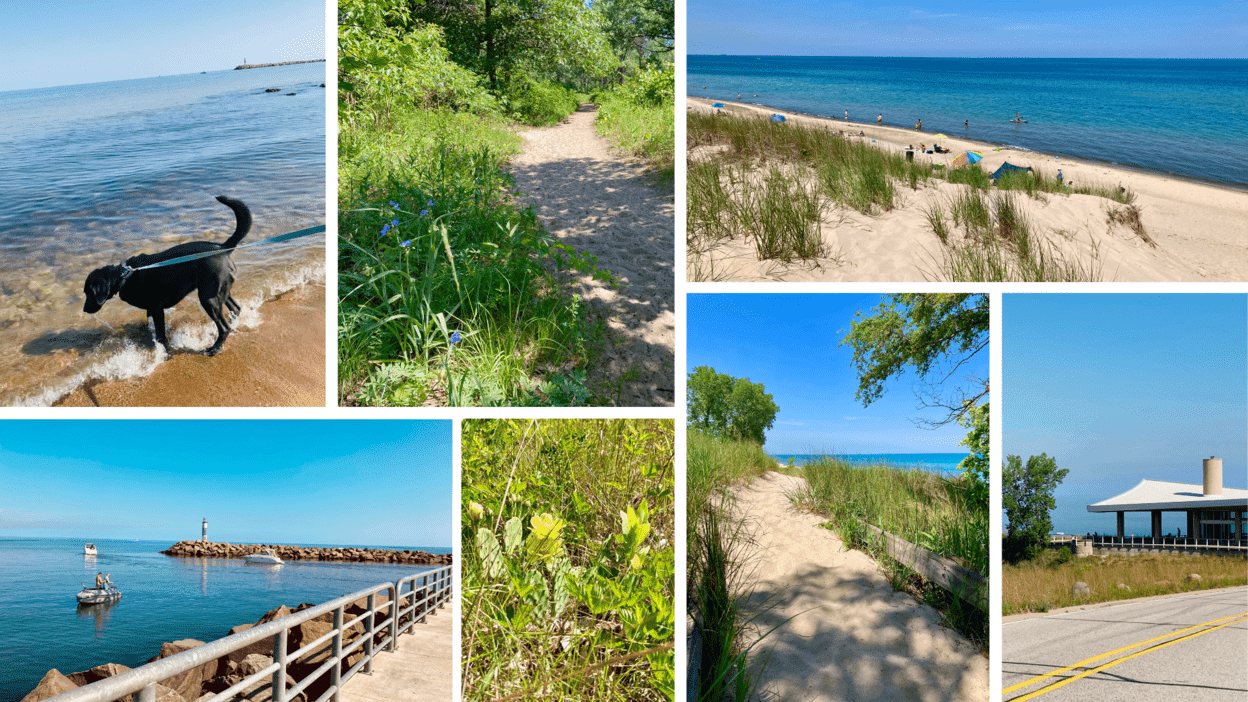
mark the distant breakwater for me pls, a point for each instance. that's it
(245, 66)
(210, 549)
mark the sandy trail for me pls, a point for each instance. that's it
(602, 204)
(843, 634)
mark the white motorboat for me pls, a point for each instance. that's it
(98, 595)
(265, 557)
(89, 550)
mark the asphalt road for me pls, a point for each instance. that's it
(1191, 647)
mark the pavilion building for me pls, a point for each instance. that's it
(1213, 512)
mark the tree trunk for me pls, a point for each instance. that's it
(489, 45)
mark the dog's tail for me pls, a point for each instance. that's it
(244, 220)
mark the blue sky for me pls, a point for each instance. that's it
(376, 482)
(45, 44)
(1119, 388)
(971, 28)
(789, 343)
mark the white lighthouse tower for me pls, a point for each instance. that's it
(204, 535)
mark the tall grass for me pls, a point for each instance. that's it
(639, 117)
(714, 541)
(923, 508)
(443, 294)
(1046, 583)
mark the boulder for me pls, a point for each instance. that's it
(1124, 586)
(261, 691)
(189, 684)
(1081, 590)
(52, 684)
(96, 674)
(272, 90)
(1193, 578)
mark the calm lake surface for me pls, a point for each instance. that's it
(945, 463)
(1184, 117)
(93, 174)
(164, 599)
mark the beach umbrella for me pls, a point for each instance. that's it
(718, 104)
(942, 136)
(968, 158)
(777, 118)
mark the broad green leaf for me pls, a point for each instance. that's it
(513, 531)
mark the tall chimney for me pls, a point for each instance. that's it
(1213, 476)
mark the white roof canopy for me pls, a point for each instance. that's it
(1159, 494)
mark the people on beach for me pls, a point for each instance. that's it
(1059, 177)
(880, 120)
(846, 115)
(919, 126)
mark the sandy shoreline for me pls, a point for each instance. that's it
(280, 363)
(1201, 230)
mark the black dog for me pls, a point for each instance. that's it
(158, 289)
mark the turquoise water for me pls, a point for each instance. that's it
(165, 599)
(93, 174)
(1184, 117)
(945, 463)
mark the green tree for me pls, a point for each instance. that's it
(1027, 496)
(933, 334)
(510, 39)
(721, 404)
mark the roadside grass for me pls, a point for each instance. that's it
(714, 542)
(1046, 582)
(568, 559)
(926, 509)
(447, 294)
(855, 175)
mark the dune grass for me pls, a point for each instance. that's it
(714, 539)
(1046, 582)
(753, 155)
(568, 583)
(944, 515)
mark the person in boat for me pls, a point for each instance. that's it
(107, 581)
(99, 580)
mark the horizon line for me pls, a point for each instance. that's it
(162, 75)
(1037, 58)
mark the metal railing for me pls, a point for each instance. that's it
(434, 590)
(1168, 542)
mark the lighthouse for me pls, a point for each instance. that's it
(204, 534)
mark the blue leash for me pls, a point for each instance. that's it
(127, 271)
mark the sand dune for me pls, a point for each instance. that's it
(1201, 230)
(843, 632)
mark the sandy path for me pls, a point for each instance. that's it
(602, 204)
(844, 633)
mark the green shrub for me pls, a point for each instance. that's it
(539, 103)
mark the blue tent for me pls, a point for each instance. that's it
(777, 118)
(718, 104)
(1008, 167)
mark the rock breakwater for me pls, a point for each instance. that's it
(211, 549)
(245, 66)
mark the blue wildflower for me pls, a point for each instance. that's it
(385, 229)
(431, 203)
(406, 243)
(395, 222)
(424, 212)
(394, 204)
(455, 338)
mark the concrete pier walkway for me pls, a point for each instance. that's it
(419, 670)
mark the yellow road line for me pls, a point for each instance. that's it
(1080, 664)
(1124, 659)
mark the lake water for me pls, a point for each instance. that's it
(94, 174)
(164, 599)
(945, 463)
(1184, 117)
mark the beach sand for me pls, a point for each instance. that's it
(280, 363)
(604, 204)
(1201, 230)
(843, 632)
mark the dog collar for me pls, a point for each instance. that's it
(126, 272)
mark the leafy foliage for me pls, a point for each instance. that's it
(1027, 497)
(568, 559)
(731, 407)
